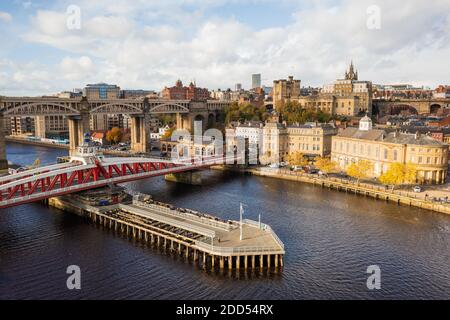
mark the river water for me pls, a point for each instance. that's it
(330, 238)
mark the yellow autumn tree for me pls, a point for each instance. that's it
(325, 165)
(297, 159)
(168, 134)
(114, 135)
(399, 174)
(265, 158)
(360, 170)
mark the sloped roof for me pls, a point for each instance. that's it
(355, 133)
(392, 137)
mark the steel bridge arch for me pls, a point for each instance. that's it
(116, 108)
(169, 108)
(40, 108)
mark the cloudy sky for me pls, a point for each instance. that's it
(151, 43)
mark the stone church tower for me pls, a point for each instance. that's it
(351, 74)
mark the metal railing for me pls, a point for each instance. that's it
(267, 228)
(179, 224)
(238, 250)
(205, 220)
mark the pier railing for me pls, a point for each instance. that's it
(176, 223)
(267, 228)
(238, 250)
(189, 216)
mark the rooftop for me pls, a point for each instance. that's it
(392, 137)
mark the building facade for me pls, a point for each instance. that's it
(275, 146)
(252, 130)
(310, 139)
(429, 156)
(256, 81)
(180, 92)
(101, 91)
(284, 91)
(331, 104)
(51, 126)
(21, 125)
(351, 87)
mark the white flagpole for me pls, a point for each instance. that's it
(241, 213)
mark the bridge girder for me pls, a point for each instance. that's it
(15, 109)
(167, 108)
(117, 107)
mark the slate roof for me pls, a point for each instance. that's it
(392, 137)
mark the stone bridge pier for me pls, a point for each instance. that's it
(3, 160)
(78, 126)
(139, 133)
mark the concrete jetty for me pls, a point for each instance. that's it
(207, 241)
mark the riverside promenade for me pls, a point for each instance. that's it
(348, 186)
(36, 143)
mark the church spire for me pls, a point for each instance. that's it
(351, 74)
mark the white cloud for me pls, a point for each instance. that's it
(5, 17)
(78, 69)
(150, 44)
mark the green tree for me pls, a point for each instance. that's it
(293, 112)
(245, 112)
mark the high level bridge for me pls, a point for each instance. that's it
(79, 111)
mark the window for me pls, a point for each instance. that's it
(395, 155)
(385, 154)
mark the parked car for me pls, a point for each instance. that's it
(274, 166)
(417, 189)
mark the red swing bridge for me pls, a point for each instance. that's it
(88, 170)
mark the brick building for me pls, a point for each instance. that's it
(180, 92)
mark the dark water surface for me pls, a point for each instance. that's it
(330, 237)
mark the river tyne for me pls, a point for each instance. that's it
(330, 239)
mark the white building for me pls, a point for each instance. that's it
(252, 130)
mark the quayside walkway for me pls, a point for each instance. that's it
(208, 241)
(400, 197)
